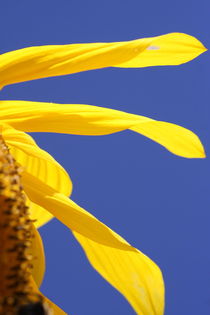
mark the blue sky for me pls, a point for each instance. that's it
(157, 201)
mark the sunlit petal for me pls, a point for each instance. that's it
(132, 273)
(144, 285)
(94, 120)
(70, 214)
(169, 49)
(36, 161)
(176, 139)
(53, 60)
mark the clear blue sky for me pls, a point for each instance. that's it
(157, 201)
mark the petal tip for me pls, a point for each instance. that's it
(199, 152)
(203, 154)
(203, 49)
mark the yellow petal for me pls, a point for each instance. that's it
(53, 60)
(169, 49)
(35, 160)
(70, 214)
(66, 118)
(176, 139)
(38, 262)
(93, 120)
(141, 282)
(131, 272)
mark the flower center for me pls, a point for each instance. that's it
(16, 294)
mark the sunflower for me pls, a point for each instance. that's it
(47, 186)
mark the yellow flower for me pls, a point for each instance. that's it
(20, 244)
(47, 185)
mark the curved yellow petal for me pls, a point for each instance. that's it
(176, 139)
(70, 214)
(36, 161)
(94, 120)
(38, 262)
(131, 272)
(141, 282)
(66, 118)
(53, 60)
(169, 49)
